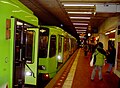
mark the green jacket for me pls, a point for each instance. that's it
(100, 58)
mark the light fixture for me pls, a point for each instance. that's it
(80, 27)
(77, 4)
(113, 39)
(42, 30)
(81, 30)
(79, 17)
(80, 24)
(81, 36)
(89, 34)
(80, 21)
(97, 38)
(107, 33)
(79, 12)
(113, 31)
(59, 57)
(61, 25)
(28, 73)
(110, 32)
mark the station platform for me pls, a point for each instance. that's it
(77, 71)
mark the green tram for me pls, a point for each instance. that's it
(55, 47)
(18, 53)
(29, 52)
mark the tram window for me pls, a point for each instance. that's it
(29, 46)
(24, 40)
(52, 46)
(43, 42)
(18, 44)
(72, 43)
(66, 44)
(43, 46)
(60, 44)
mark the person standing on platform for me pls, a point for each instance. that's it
(100, 58)
(111, 57)
(86, 49)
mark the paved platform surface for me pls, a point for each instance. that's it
(77, 74)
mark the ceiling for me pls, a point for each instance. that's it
(55, 13)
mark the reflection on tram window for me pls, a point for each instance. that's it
(59, 44)
(52, 46)
(23, 41)
(29, 45)
(43, 46)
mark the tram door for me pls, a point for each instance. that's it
(31, 65)
(23, 47)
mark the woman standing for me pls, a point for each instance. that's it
(100, 58)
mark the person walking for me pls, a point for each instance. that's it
(111, 57)
(86, 49)
(100, 58)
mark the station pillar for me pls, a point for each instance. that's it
(104, 39)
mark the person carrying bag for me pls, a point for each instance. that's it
(100, 56)
(93, 60)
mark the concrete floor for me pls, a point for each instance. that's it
(77, 74)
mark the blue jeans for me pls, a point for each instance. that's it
(110, 67)
(99, 68)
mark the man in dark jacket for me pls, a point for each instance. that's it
(111, 57)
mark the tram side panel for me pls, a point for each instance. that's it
(4, 52)
(10, 59)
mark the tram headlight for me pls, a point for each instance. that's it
(59, 57)
(28, 73)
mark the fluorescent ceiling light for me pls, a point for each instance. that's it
(80, 24)
(113, 39)
(110, 32)
(81, 36)
(107, 33)
(77, 4)
(81, 27)
(113, 31)
(79, 17)
(80, 21)
(81, 30)
(79, 12)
